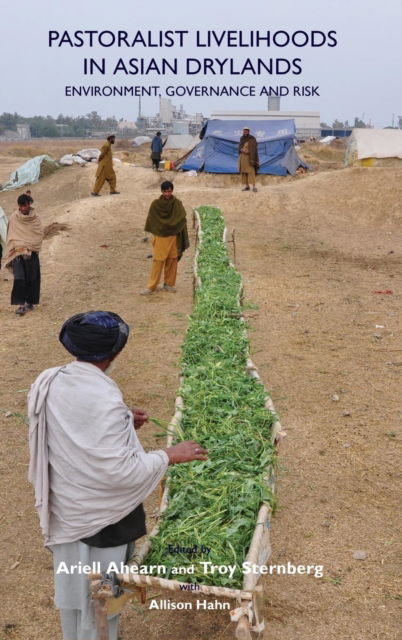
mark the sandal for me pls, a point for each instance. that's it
(20, 311)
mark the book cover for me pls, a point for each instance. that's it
(330, 66)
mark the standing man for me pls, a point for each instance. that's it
(105, 169)
(24, 241)
(167, 222)
(248, 160)
(87, 465)
(156, 149)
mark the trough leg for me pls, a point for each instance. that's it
(243, 631)
(102, 626)
(258, 609)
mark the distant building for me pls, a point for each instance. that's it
(126, 125)
(9, 134)
(24, 132)
(165, 110)
(98, 134)
(274, 103)
(338, 133)
(180, 126)
(307, 122)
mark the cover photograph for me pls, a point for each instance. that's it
(200, 312)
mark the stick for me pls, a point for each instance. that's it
(175, 421)
(100, 597)
(243, 629)
(260, 547)
(234, 246)
(277, 433)
(258, 610)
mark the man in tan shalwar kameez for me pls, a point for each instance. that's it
(248, 160)
(105, 171)
(166, 221)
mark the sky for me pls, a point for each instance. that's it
(359, 77)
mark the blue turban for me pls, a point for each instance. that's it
(94, 336)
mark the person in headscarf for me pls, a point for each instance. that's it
(248, 160)
(156, 149)
(105, 171)
(166, 221)
(89, 470)
(24, 241)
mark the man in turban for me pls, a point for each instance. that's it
(166, 221)
(248, 160)
(24, 241)
(89, 470)
(105, 171)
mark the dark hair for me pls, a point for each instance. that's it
(158, 133)
(24, 199)
(167, 185)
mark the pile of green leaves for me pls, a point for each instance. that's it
(215, 502)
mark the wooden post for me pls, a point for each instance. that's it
(102, 626)
(243, 631)
(258, 609)
(234, 246)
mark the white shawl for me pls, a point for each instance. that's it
(87, 465)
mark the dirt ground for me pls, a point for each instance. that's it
(315, 253)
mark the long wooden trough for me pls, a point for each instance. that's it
(247, 611)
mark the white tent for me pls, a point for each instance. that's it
(139, 140)
(374, 147)
(181, 141)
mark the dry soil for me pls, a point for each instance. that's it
(315, 253)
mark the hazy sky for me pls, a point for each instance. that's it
(361, 75)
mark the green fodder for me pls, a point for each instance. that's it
(215, 503)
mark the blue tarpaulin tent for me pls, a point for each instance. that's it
(218, 150)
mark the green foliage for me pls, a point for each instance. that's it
(43, 127)
(338, 124)
(66, 126)
(359, 124)
(216, 502)
(10, 120)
